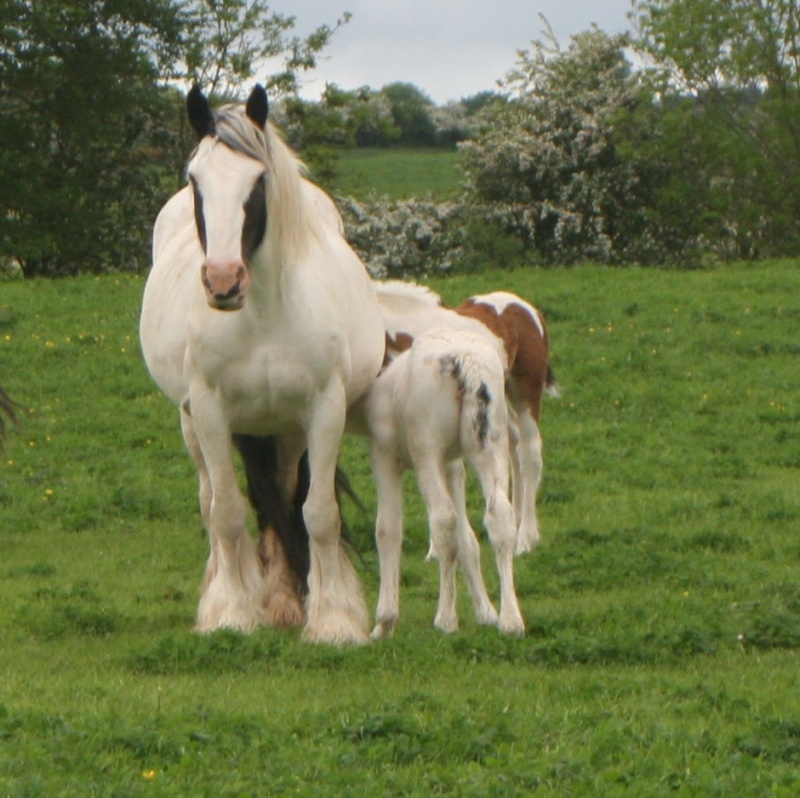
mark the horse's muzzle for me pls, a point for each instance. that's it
(226, 285)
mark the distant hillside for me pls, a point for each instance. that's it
(398, 173)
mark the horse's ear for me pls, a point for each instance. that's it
(258, 106)
(200, 116)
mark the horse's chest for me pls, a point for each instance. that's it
(261, 387)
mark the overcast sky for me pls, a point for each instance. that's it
(448, 48)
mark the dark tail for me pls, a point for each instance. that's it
(260, 458)
(551, 386)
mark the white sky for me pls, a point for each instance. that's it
(448, 48)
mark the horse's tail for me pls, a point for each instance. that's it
(260, 458)
(551, 386)
(478, 404)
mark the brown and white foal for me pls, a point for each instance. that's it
(518, 332)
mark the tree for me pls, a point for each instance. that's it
(80, 124)
(732, 68)
(91, 129)
(548, 168)
(410, 109)
(226, 41)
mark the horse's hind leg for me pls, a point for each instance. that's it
(336, 609)
(469, 553)
(442, 522)
(491, 466)
(529, 458)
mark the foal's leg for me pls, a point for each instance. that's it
(389, 538)
(529, 454)
(491, 466)
(469, 552)
(513, 454)
(231, 590)
(442, 522)
(336, 610)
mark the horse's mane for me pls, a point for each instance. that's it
(400, 291)
(291, 219)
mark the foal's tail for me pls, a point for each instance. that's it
(477, 400)
(551, 386)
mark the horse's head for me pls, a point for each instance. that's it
(227, 174)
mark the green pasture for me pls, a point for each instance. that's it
(663, 606)
(396, 173)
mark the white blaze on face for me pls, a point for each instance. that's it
(222, 182)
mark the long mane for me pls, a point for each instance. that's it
(293, 221)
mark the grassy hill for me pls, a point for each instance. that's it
(398, 173)
(663, 605)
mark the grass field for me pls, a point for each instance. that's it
(663, 606)
(397, 173)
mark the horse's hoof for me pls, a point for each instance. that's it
(284, 612)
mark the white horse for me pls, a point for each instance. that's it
(259, 320)
(518, 332)
(442, 399)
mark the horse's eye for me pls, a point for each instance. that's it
(199, 219)
(255, 219)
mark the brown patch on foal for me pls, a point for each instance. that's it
(395, 345)
(526, 348)
(284, 607)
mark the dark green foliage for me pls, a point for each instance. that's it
(84, 132)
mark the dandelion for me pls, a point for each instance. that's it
(149, 775)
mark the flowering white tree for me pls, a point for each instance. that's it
(548, 168)
(404, 238)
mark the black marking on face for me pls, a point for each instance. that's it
(255, 219)
(199, 219)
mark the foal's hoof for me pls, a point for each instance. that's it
(513, 627)
(527, 540)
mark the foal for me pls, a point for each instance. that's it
(518, 333)
(436, 402)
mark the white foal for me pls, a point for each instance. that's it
(518, 332)
(441, 400)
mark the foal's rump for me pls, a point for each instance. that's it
(455, 391)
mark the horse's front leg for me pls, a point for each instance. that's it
(336, 609)
(388, 474)
(233, 584)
